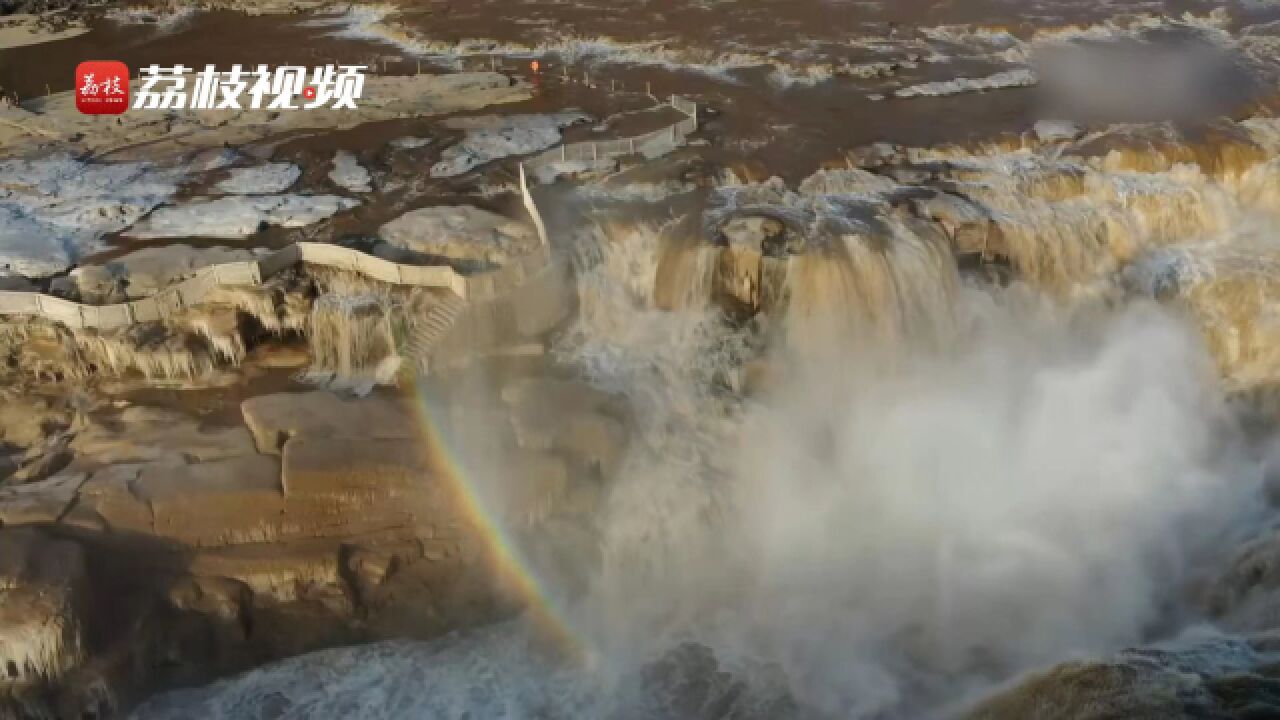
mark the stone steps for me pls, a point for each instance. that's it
(432, 328)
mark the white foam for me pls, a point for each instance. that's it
(1021, 77)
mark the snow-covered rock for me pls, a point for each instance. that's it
(349, 174)
(144, 272)
(22, 29)
(55, 209)
(493, 137)
(1057, 130)
(260, 179)
(238, 216)
(460, 233)
(410, 142)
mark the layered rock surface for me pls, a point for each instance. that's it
(43, 602)
(458, 234)
(143, 273)
(321, 520)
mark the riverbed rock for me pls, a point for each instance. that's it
(39, 502)
(1195, 677)
(349, 174)
(142, 434)
(210, 504)
(1049, 131)
(740, 274)
(42, 625)
(1245, 595)
(355, 473)
(27, 420)
(461, 234)
(55, 209)
(20, 29)
(268, 178)
(274, 419)
(492, 137)
(238, 216)
(143, 273)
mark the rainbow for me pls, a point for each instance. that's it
(509, 563)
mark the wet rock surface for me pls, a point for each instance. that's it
(267, 178)
(142, 273)
(238, 216)
(1207, 677)
(494, 137)
(333, 524)
(463, 235)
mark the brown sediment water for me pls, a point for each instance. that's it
(787, 124)
(217, 406)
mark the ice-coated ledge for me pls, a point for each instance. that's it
(55, 209)
(493, 137)
(349, 174)
(238, 216)
(260, 179)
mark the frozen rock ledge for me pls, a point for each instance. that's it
(459, 233)
(55, 209)
(493, 137)
(239, 216)
(260, 179)
(348, 174)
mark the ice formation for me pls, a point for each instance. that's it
(55, 209)
(349, 174)
(263, 179)
(238, 216)
(495, 137)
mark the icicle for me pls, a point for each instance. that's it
(351, 338)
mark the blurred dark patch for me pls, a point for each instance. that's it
(1173, 74)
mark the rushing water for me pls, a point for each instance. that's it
(886, 530)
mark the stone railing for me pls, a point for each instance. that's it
(196, 289)
(174, 298)
(651, 144)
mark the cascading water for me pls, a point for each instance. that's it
(888, 536)
(885, 529)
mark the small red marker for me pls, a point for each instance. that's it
(309, 93)
(102, 87)
(535, 66)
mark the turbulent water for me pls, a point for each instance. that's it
(883, 531)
